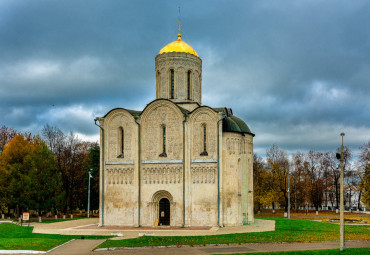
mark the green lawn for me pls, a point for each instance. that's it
(286, 230)
(352, 251)
(14, 237)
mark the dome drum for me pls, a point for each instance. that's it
(178, 77)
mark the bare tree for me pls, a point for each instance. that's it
(299, 193)
(71, 162)
(6, 134)
(315, 168)
(364, 175)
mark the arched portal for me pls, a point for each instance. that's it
(164, 212)
(163, 208)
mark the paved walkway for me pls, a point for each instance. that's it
(84, 247)
(81, 247)
(90, 227)
(245, 248)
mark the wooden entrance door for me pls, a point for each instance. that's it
(164, 212)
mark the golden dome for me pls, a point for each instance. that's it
(178, 46)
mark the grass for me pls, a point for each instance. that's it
(14, 237)
(286, 230)
(352, 251)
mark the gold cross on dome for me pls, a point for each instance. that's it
(179, 35)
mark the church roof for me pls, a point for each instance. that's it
(132, 112)
(178, 46)
(232, 123)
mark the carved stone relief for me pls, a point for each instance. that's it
(119, 175)
(203, 175)
(237, 145)
(162, 175)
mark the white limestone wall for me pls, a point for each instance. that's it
(237, 178)
(181, 63)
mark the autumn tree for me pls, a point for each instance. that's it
(278, 165)
(27, 174)
(315, 167)
(264, 190)
(365, 169)
(299, 189)
(332, 174)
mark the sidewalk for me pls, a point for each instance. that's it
(243, 248)
(81, 247)
(90, 227)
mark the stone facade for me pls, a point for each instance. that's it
(176, 162)
(182, 64)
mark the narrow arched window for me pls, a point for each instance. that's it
(189, 84)
(159, 85)
(163, 154)
(172, 89)
(121, 143)
(204, 153)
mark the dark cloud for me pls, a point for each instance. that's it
(297, 72)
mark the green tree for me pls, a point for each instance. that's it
(94, 166)
(46, 180)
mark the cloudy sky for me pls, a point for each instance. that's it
(298, 72)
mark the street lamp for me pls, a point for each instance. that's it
(342, 246)
(88, 195)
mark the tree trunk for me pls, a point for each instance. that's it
(359, 200)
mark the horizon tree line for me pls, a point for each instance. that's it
(47, 172)
(314, 178)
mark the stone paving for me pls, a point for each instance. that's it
(80, 247)
(244, 248)
(90, 227)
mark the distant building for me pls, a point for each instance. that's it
(351, 199)
(176, 162)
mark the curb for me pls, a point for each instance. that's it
(31, 251)
(21, 252)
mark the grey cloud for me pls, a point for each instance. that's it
(295, 71)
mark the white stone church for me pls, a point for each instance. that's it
(176, 162)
